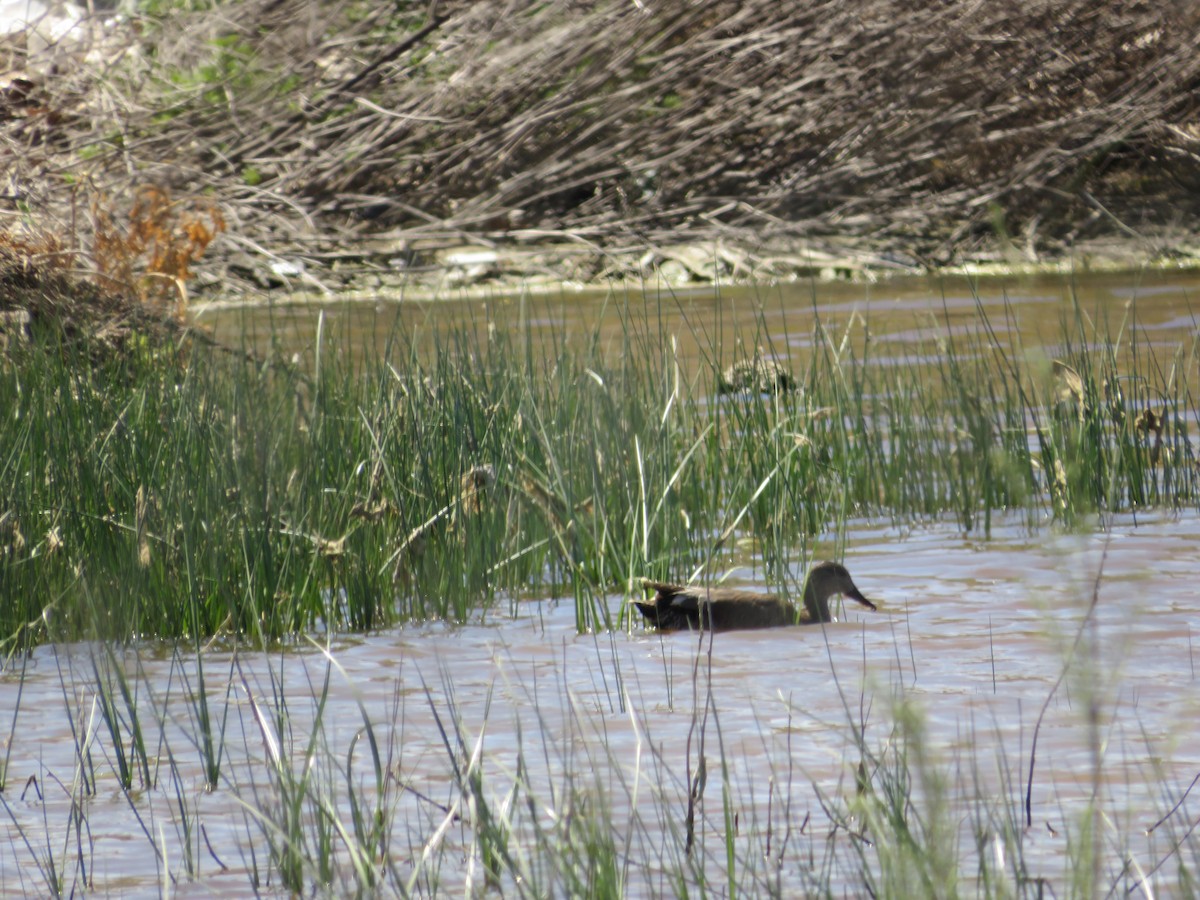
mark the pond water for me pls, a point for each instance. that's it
(959, 669)
(971, 636)
(898, 317)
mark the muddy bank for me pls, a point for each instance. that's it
(368, 272)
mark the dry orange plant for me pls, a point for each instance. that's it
(154, 255)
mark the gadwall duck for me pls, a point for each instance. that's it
(759, 375)
(676, 607)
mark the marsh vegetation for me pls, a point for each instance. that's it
(354, 492)
(204, 543)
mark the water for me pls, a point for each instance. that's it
(901, 316)
(973, 635)
(969, 645)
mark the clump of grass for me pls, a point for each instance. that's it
(311, 837)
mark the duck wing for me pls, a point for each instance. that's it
(675, 607)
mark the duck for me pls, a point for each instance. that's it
(677, 607)
(758, 375)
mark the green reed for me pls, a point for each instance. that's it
(200, 494)
(119, 711)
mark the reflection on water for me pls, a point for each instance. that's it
(972, 635)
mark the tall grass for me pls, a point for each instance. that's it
(196, 494)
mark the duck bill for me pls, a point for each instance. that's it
(855, 594)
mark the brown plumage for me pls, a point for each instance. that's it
(758, 375)
(676, 607)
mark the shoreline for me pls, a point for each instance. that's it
(466, 272)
